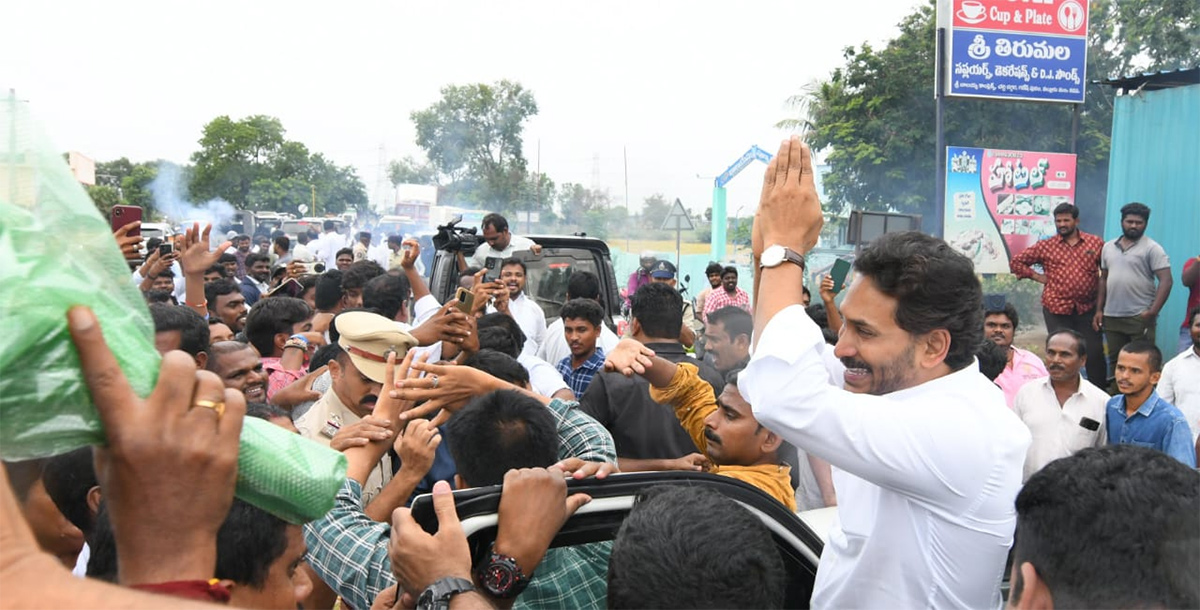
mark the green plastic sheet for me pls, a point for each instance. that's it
(57, 251)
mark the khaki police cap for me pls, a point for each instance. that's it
(368, 337)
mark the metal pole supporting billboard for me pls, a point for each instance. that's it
(939, 202)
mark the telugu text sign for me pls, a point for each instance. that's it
(1017, 66)
(999, 202)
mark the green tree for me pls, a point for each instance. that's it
(234, 155)
(874, 116)
(472, 138)
(410, 171)
(252, 165)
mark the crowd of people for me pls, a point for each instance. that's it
(948, 452)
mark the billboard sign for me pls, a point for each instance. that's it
(1028, 50)
(999, 202)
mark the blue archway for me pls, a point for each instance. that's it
(719, 214)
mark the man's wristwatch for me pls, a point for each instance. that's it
(501, 577)
(776, 255)
(437, 596)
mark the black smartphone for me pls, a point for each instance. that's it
(165, 249)
(466, 299)
(841, 267)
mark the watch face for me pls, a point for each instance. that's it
(772, 256)
(499, 577)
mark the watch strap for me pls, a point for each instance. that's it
(437, 595)
(789, 256)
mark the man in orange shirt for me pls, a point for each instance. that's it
(725, 430)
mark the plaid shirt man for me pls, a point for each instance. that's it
(1072, 272)
(349, 550)
(579, 379)
(719, 298)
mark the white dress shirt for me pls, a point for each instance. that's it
(1180, 386)
(925, 476)
(543, 378)
(326, 248)
(554, 348)
(1056, 429)
(485, 251)
(530, 318)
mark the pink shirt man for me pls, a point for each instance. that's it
(1024, 367)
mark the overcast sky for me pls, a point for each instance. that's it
(685, 86)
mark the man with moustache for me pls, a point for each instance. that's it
(1071, 269)
(357, 378)
(927, 458)
(1064, 412)
(240, 368)
(226, 304)
(242, 243)
(1128, 302)
(729, 295)
(1021, 366)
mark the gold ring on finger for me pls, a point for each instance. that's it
(215, 405)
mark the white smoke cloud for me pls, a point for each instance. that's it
(170, 197)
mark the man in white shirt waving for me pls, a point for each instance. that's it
(926, 456)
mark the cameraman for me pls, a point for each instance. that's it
(498, 243)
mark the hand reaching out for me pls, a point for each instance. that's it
(628, 357)
(412, 251)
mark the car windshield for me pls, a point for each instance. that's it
(294, 227)
(546, 276)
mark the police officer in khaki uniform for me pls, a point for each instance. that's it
(357, 378)
(663, 272)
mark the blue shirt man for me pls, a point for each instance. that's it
(579, 378)
(1138, 416)
(582, 321)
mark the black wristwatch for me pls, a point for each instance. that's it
(501, 577)
(437, 596)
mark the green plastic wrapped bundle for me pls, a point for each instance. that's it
(56, 251)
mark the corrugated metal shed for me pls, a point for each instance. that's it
(1156, 160)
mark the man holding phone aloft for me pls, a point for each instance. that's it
(927, 456)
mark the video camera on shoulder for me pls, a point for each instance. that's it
(452, 238)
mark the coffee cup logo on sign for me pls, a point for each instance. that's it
(1070, 15)
(971, 11)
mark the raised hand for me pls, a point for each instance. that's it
(171, 459)
(412, 251)
(789, 212)
(418, 445)
(196, 255)
(448, 324)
